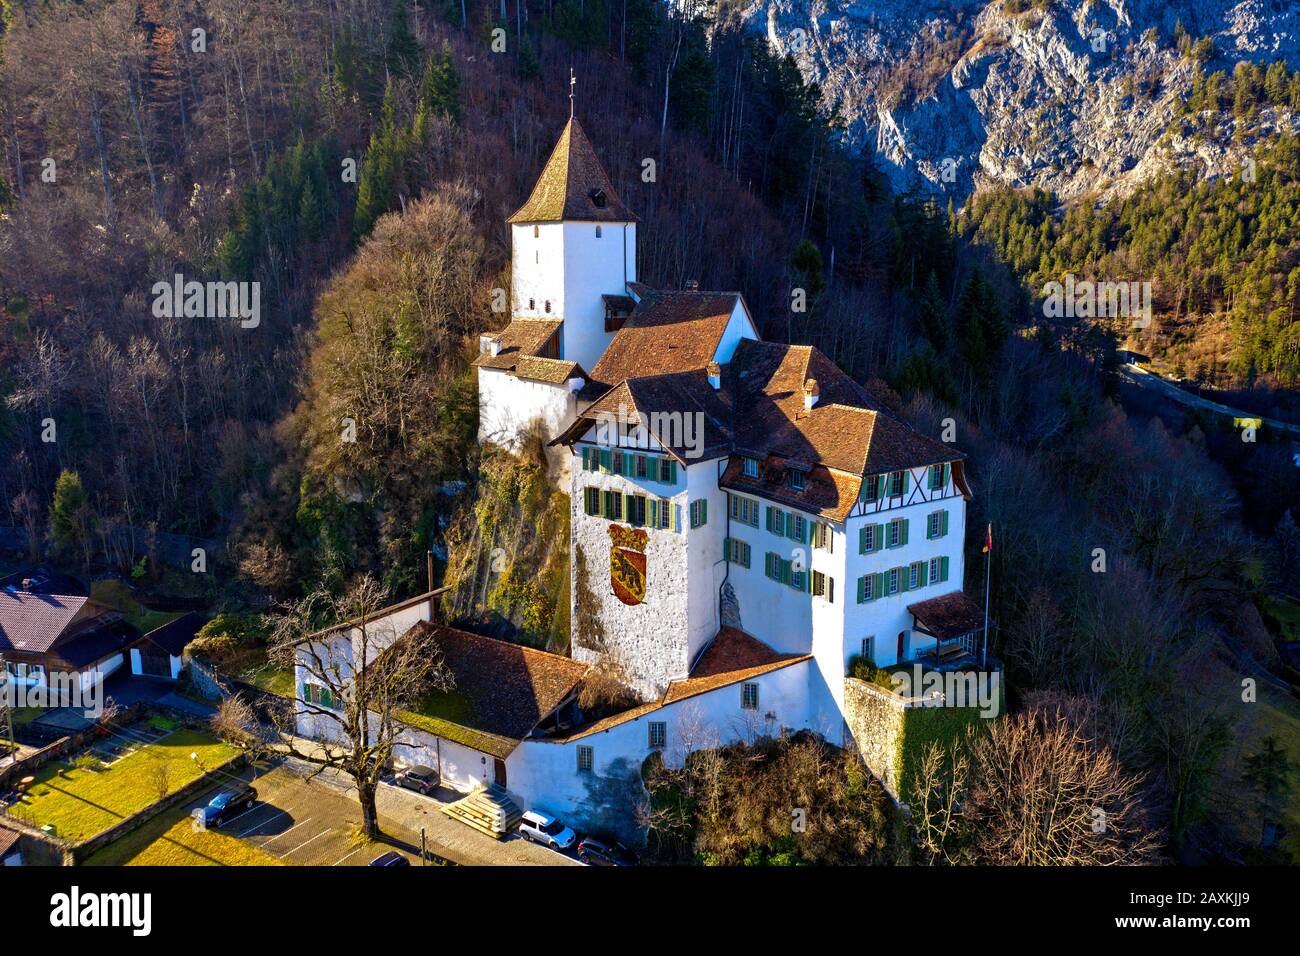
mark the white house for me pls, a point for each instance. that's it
(745, 521)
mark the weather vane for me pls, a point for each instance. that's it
(573, 83)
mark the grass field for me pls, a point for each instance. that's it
(82, 802)
(171, 840)
(118, 596)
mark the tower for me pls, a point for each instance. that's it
(572, 243)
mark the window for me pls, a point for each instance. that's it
(665, 513)
(869, 648)
(823, 537)
(598, 232)
(749, 467)
(869, 539)
(896, 484)
(586, 757)
(796, 479)
(749, 696)
(699, 510)
(938, 570)
(642, 466)
(318, 695)
(744, 510)
(548, 305)
(896, 533)
(738, 552)
(914, 575)
(823, 586)
(870, 488)
(667, 470)
(893, 580)
(797, 579)
(636, 509)
(532, 304)
(775, 520)
(616, 462)
(658, 734)
(867, 588)
(614, 505)
(800, 528)
(591, 500)
(938, 477)
(772, 566)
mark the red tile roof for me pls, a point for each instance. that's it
(571, 185)
(522, 337)
(948, 615)
(668, 331)
(34, 622)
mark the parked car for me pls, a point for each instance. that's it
(546, 830)
(391, 858)
(227, 805)
(605, 853)
(421, 779)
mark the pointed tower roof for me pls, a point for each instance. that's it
(573, 185)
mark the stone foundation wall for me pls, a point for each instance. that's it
(875, 719)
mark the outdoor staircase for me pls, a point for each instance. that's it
(489, 810)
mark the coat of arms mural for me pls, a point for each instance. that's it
(627, 563)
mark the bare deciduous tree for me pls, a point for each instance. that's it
(358, 677)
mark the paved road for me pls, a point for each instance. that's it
(1149, 380)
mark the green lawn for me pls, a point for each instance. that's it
(83, 802)
(258, 670)
(118, 596)
(171, 840)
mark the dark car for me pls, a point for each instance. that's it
(391, 858)
(227, 805)
(420, 779)
(605, 853)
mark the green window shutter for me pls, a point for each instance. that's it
(862, 590)
(654, 512)
(672, 472)
(902, 535)
(947, 470)
(882, 584)
(704, 511)
(904, 579)
(924, 573)
(862, 540)
(726, 549)
(943, 569)
(943, 523)
(585, 458)
(604, 461)
(789, 525)
(907, 480)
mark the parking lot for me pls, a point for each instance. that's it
(307, 823)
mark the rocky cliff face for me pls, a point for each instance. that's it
(1076, 96)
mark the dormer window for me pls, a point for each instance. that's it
(598, 198)
(749, 467)
(895, 484)
(796, 479)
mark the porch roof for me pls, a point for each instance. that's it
(947, 616)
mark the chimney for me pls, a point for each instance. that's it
(715, 376)
(810, 394)
(495, 346)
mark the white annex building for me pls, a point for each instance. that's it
(746, 520)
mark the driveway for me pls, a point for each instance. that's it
(1149, 380)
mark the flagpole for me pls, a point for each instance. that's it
(988, 565)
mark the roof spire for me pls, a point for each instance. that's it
(573, 83)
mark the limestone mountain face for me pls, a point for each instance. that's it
(1076, 96)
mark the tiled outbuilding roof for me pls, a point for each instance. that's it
(501, 690)
(522, 337)
(573, 185)
(34, 622)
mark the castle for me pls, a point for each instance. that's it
(746, 521)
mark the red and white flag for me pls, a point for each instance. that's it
(988, 540)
